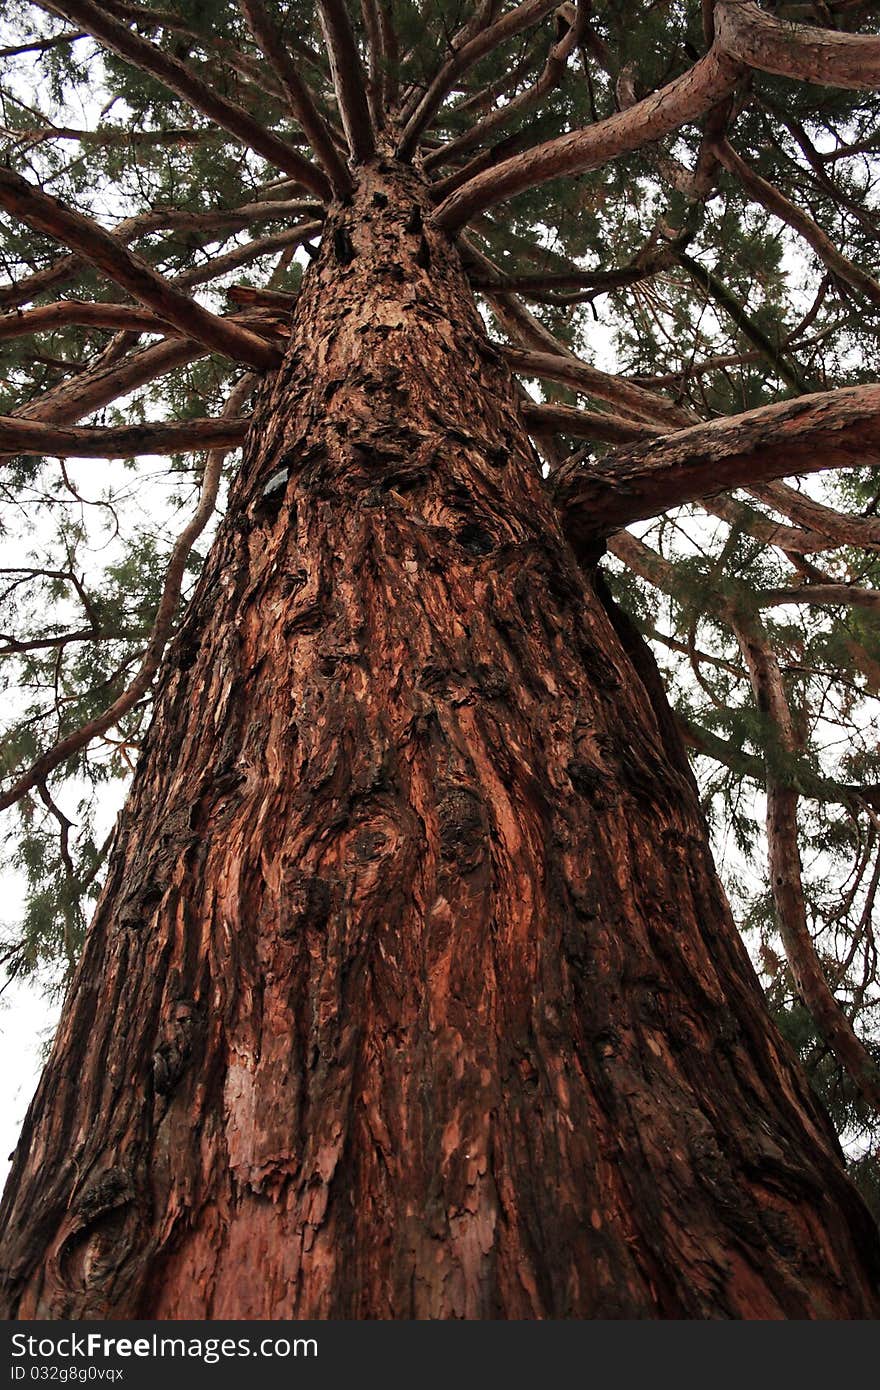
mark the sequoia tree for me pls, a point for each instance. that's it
(411, 989)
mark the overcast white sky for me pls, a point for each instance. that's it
(26, 1020)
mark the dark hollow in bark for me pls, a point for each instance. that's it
(412, 991)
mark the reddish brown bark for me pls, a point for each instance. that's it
(412, 991)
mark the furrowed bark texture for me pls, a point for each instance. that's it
(412, 991)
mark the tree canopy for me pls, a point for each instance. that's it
(669, 216)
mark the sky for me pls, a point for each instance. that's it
(27, 1020)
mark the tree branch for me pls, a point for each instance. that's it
(602, 385)
(744, 36)
(825, 56)
(832, 429)
(348, 79)
(92, 390)
(32, 437)
(40, 45)
(745, 764)
(588, 284)
(664, 111)
(232, 219)
(742, 518)
(83, 313)
(822, 595)
(722, 296)
(179, 79)
(547, 356)
(655, 569)
(583, 424)
(785, 866)
(549, 78)
(250, 251)
(375, 55)
(80, 738)
(102, 249)
(300, 98)
(840, 528)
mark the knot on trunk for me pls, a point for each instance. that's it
(463, 827)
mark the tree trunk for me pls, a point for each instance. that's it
(412, 991)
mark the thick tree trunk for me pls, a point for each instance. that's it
(412, 991)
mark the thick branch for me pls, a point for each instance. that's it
(31, 437)
(65, 268)
(375, 54)
(179, 79)
(822, 596)
(281, 300)
(67, 313)
(664, 111)
(744, 35)
(764, 528)
(348, 79)
(840, 528)
(250, 251)
(84, 313)
(88, 239)
(586, 284)
(832, 429)
(584, 424)
(107, 381)
(92, 390)
(825, 56)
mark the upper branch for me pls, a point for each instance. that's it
(657, 115)
(550, 77)
(464, 57)
(744, 37)
(178, 78)
(300, 98)
(348, 79)
(825, 56)
(102, 249)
